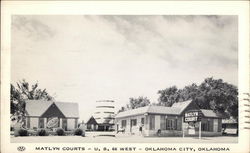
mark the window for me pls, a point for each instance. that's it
(88, 126)
(75, 123)
(142, 121)
(171, 124)
(64, 124)
(28, 122)
(151, 122)
(133, 122)
(124, 123)
(163, 122)
(207, 126)
(219, 125)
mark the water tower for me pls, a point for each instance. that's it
(104, 114)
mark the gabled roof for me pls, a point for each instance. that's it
(181, 105)
(163, 110)
(91, 121)
(132, 112)
(210, 113)
(150, 109)
(38, 107)
(68, 109)
(176, 109)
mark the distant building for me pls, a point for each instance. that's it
(42, 114)
(230, 126)
(103, 117)
(91, 124)
(167, 121)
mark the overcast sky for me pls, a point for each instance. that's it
(88, 58)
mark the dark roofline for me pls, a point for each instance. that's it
(49, 108)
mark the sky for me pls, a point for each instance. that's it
(83, 59)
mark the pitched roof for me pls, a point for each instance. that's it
(176, 109)
(68, 109)
(91, 121)
(138, 111)
(38, 107)
(181, 105)
(209, 113)
(163, 110)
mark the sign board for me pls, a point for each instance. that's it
(53, 122)
(191, 131)
(192, 116)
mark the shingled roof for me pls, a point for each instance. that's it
(37, 107)
(210, 113)
(176, 109)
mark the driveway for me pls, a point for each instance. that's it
(112, 137)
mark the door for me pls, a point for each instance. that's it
(133, 124)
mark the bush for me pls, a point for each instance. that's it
(22, 132)
(78, 132)
(42, 132)
(60, 131)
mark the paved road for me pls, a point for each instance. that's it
(92, 137)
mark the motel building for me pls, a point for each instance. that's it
(168, 121)
(44, 114)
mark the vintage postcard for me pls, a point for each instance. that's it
(125, 76)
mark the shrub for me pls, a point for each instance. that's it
(78, 131)
(42, 132)
(22, 132)
(60, 131)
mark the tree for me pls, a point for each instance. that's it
(122, 109)
(136, 103)
(219, 96)
(168, 96)
(214, 94)
(23, 92)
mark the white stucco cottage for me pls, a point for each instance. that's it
(39, 113)
(149, 120)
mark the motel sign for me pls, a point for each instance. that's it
(192, 116)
